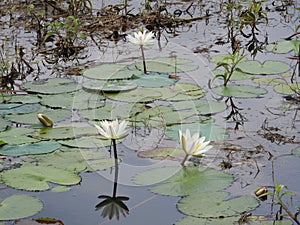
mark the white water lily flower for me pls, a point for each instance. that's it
(193, 146)
(112, 130)
(141, 38)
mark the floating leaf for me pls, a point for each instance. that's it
(15, 108)
(15, 136)
(56, 116)
(111, 72)
(287, 89)
(86, 142)
(101, 164)
(239, 91)
(211, 131)
(190, 220)
(200, 106)
(36, 178)
(19, 206)
(184, 181)
(24, 99)
(4, 124)
(162, 153)
(100, 86)
(51, 86)
(213, 204)
(73, 100)
(62, 133)
(236, 75)
(268, 67)
(29, 149)
(268, 80)
(154, 80)
(282, 47)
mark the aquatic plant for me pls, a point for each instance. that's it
(141, 39)
(193, 145)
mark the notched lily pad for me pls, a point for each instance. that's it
(19, 206)
(16, 136)
(29, 149)
(154, 80)
(51, 86)
(287, 89)
(268, 80)
(268, 67)
(213, 204)
(162, 153)
(282, 47)
(36, 178)
(16, 108)
(239, 91)
(109, 86)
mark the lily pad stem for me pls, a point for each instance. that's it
(144, 61)
(184, 159)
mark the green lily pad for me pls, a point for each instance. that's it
(86, 142)
(111, 72)
(201, 106)
(287, 89)
(240, 91)
(56, 115)
(63, 133)
(51, 86)
(166, 65)
(36, 178)
(223, 58)
(16, 136)
(282, 47)
(268, 67)
(184, 181)
(296, 151)
(268, 80)
(162, 153)
(29, 149)
(101, 86)
(24, 99)
(140, 95)
(73, 100)
(19, 206)
(4, 124)
(190, 220)
(211, 131)
(15, 108)
(213, 204)
(100, 164)
(154, 80)
(236, 75)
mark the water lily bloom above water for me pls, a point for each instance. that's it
(193, 145)
(112, 130)
(141, 38)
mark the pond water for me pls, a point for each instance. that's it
(254, 130)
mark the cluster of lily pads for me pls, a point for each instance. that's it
(44, 158)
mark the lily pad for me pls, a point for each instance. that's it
(86, 142)
(51, 86)
(282, 47)
(111, 72)
(63, 133)
(287, 89)
(213, 204)
(296, 151)
(190, 220)
(236, 75)
(15, 108)
(268, 67)
(19, 206)
(166, 65)
(73, 100)
(162, 153)
(36, 178)
(240, 91)
(211, 131)
(56, 115)
(268, 80)
(100, 86)
(4, 124)
(29, 149)
(201, 106)
(154, 80)
(24, 99)
(60, 189)
(184, 181)
(16, 136)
